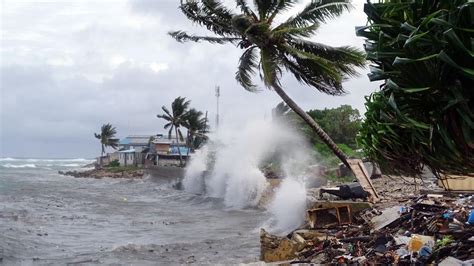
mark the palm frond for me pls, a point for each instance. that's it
(247, 64)
(312, 76)
(296, 32)
(179, 108)
(319, 65)
(264, 7)
(270, 68)
(242, 4)
(318, 11)
(344, 58)
(182, 36)
(217, 9)
(107, 136)
(167, 112)
(209, 13)
(281, 5)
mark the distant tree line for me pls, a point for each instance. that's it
(342, 124)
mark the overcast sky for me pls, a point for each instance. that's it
(67, 67)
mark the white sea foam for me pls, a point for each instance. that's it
(42, 163)
(7, 159)
(71, 165)
(28, 165)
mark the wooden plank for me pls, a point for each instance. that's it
(358, 168)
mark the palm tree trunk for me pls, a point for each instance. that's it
(189, 144)
(179, 150)
(101, 156)
(314, 126)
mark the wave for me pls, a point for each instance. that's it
(71, 165)
(28, 165)
(9, 159)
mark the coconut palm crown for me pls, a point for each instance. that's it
(269, 49)
(197, 127)
(175, 119)
(107, 137)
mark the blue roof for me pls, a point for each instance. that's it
(174, 150)
(124, 141)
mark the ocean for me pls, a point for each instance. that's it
(51, 219)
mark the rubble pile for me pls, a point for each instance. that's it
(431, 228)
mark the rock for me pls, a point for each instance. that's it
(101, 173)
(275, 248)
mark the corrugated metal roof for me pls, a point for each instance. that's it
(128, 151)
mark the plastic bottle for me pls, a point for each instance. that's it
(415, 243)
(470, 219)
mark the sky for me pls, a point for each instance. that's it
(67, 67)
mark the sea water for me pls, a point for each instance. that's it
(47, 218)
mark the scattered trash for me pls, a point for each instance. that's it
(421, 229)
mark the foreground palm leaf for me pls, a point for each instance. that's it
(424, 114)
(269, 49)
(107, 138)
(175, 119)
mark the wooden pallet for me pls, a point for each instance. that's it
(358, 168)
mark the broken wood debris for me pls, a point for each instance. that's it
(422, 230)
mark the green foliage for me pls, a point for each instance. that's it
(327, 157)
(423, 115)
(197, 128)
(445, 241)
(342, 179)
(107, 137)
(114, 163)
(341, 123)
(119, 169)
(177, 117)
(191, 119)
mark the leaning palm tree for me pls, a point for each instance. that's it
(176, 119)
(270, 49)
(107, 138)
(197, 128)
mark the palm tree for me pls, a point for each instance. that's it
(107, 138)
(197, 128)
(270, 49)
(280, 111)
(176, 119)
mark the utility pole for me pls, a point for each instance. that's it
(218, 94)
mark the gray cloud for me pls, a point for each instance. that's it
(67, 67)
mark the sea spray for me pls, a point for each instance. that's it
(287, 207)
(194, 176)
(235, 174)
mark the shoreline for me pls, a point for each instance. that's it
(131, 173)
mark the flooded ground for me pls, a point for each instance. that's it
(48, 218)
